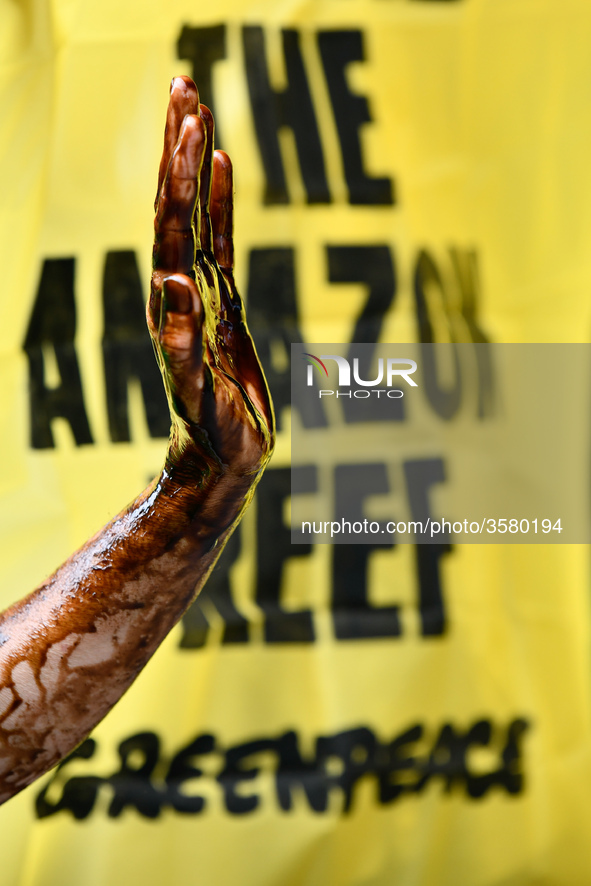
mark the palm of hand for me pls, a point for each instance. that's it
(215, 384)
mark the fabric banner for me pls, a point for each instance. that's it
(405, 171)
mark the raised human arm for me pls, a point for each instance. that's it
(72, 647)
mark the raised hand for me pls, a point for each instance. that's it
(72, 648)
(217, 392)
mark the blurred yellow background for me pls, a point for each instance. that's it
(448, 142)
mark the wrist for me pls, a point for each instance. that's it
(208, 495)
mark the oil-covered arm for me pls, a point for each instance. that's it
(71, 649)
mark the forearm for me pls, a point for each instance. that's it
(73, 647)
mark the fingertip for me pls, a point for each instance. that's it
(184, 99)
(184, 87)
(222, 177)
(223, 161)
(222, 210)
(192, 123)
(180, 295)
(206, 115)
(176, 296)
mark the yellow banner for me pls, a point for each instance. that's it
(406, 170)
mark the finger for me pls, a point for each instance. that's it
(180, 337)
(237, 357)
(222, 210)
(202, 220)
(178, 296)
(170, 293)
(174, 243)
(184, 99)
